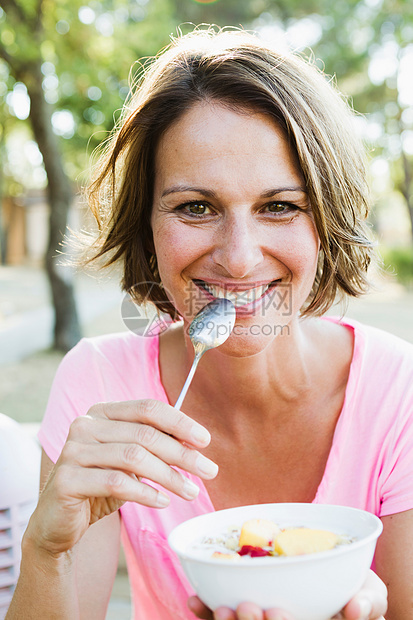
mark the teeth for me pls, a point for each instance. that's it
(239, 299)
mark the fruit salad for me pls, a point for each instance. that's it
(261, 538)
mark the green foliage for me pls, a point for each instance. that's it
(86, 50)
(399, 260)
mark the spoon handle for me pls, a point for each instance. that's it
(189, 378)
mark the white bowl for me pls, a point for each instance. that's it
(311, 587)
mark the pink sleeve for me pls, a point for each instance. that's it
(397, 485)
(76, 387)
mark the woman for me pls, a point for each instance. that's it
(235, 172)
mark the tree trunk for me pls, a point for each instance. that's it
(66, 329)
(406, 187)
(3, 232)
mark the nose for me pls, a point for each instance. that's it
(237, 248)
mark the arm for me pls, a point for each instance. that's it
(394, 563)
(70, 548)
(76, 584)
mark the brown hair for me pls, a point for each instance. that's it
(237, 69)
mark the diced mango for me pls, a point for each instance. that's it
(258, 533)
(298, 541)
(218, 555)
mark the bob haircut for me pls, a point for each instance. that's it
(236, 69)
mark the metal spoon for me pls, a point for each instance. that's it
(209, 329)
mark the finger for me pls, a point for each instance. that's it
(155, 441)
(370, 603)
(224, 613)
(249, 611)
(157, 414)
(277, 614)
(76, 483)
(367, 605)
(198, 608)
(132, 458)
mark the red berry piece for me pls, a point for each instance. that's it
(254, 552)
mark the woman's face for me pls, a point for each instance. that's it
(231, 217)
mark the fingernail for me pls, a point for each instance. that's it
(162, 500)
(190, 489)
(200, 435)
(365, 608)
(206, 467)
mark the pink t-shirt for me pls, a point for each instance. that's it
(370, 465)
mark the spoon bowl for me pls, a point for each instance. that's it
(213, 324)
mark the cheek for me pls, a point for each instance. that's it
(301, 252)
(175, 250)
(307, 256)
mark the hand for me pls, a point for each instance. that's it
(244, 611)
(106, 454)
(370, 603)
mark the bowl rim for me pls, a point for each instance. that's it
(266, 560)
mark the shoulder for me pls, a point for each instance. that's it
(381, 372)
(386, 353)
(119, 366)
(372, 342)
(113, 348)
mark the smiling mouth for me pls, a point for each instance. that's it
(238, 298)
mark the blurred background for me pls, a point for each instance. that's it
(64, 75)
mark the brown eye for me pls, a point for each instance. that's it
(197, 208)
(277, 207)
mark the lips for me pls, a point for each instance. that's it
(240, 298)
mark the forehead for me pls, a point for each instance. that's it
(213, 141)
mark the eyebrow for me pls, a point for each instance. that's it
(176, 189)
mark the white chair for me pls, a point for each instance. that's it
(19, 488)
